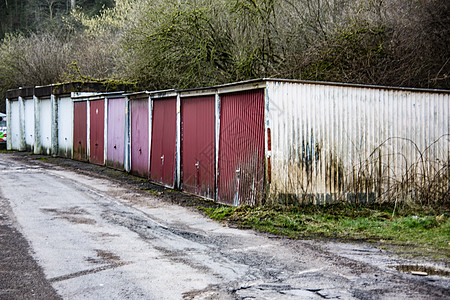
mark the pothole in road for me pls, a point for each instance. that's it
(104, 257)
(74, 210)
(421, 270)
(71, 214)
(108, 256)
(79, 220)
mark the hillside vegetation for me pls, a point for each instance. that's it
(160, 44)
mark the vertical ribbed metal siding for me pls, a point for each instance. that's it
(97, 131)
(241, 147)
(80, 130)
(116, 133)
(198, 145)
(331, 142)
(164, 139)
(139, 137)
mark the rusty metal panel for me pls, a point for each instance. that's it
(116, 133)
(139, 137)
(29, 123)
(97, 131)
(198, 145)
(241, 147)
(45, 125)
(80, 131)
(335, 142)
(164, 133)
(65, 127)
(15, 125)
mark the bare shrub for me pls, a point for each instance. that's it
(423, 179)
(393, 43)
(95, 57)
(37, 60)
(413, 178)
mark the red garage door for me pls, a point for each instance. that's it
(241, 147)
(197, 145)
(164, 135)
(139, 137)
(80, 131)
(97, 132)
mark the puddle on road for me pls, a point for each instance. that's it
(421, 270)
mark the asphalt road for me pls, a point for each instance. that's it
(77, 236)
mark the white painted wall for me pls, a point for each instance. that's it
(29, 123)
(65, 127)
(15, 125)
(45, 114)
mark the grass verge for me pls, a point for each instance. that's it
(417, 233)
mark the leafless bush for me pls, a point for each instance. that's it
(95, 57)
(414, 177)
(420, 179)
(393, 43)
(28, 61)
(36, 60)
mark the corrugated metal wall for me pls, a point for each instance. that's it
(97, 131)
(198, 145)
(116, 133)
(29, 123)
(45, 124)
(164, 138)
(241, 147)
(80, 131)
(332, 142)
(139, 137)
(65, 127)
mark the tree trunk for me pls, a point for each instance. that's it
(72, 4)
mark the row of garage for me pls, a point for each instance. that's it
(238, 143)
(170, 137)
